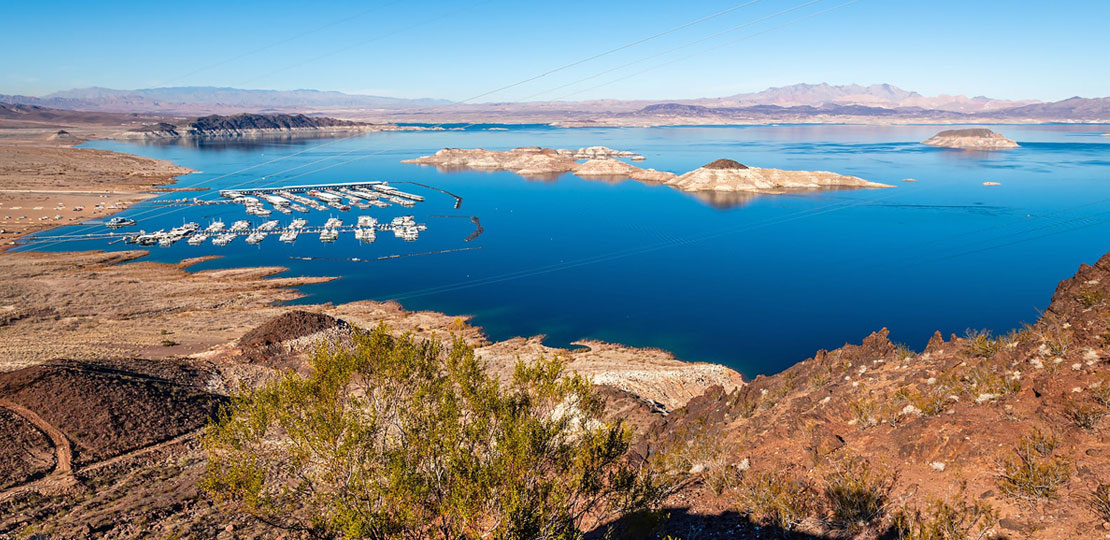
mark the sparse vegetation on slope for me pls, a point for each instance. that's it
(400, 437)
(955, 419)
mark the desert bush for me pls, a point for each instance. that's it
(1091, 299)
(981, 343)
(696, 452)
(1099, 500)
(1101, 393)
(1058, 341)
(864, 411)
(903, 352)
(168, 343)
(776, 498)
(857, 491)
(944, 520)
(987, 379)
(1083, 414)
(931, 401)
(458, 324)
(399, 437)
(1018, 335)
(1034, 470)
(870, 411)
(820, 376)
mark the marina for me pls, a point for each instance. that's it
(264, 201)
(320, 197)
(287, 200)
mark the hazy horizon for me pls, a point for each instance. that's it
(619, 50)
(64, 91)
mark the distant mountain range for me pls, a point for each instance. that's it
(796, 103)
(187, 100)
(875, 95)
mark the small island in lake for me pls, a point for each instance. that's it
(729, 175)
(722, 175)
(970, 139)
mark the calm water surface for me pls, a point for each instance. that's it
(755, 284)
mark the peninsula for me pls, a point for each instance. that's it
(970, 139)
(242, 126)
(722, 175)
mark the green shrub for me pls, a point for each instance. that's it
(931, 401)
(870, 411)
(1091, 299)
(398, 437)
(857, 491)
(1101, 393)
(1100, 501)
(1034, 470)
(986, 379)
(943, 520)
(983, 344)
(776, 498)
(1058, 342)
(1085, 415)
(168, 343)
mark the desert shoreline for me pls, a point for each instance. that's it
(247, 296)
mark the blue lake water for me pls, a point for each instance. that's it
(757, 284)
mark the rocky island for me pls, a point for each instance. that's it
(252, 125)
(729, 175)
(722, 175)
(970, 139)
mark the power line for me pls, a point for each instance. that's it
(377, 37)
(611, 51)
(810, 16)
(680, 47)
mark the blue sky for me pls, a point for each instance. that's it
(456, 50)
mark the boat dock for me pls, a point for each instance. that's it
(287, 199)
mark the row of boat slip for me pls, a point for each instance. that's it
(361, 195)
(390, 190)
(404, 227)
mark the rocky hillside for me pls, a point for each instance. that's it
(1004, 433)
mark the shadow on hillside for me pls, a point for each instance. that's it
(682, 525)
(686, 526)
